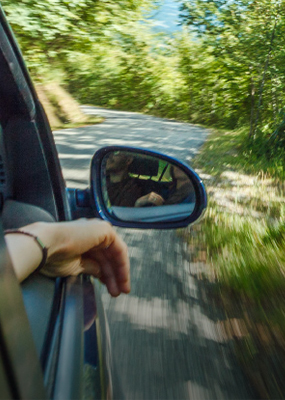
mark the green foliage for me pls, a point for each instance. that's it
(224, 69)
(48, 30)
(247, 43)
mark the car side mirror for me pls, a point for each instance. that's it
(139, 188)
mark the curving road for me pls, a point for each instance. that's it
(167, 337)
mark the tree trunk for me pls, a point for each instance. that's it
(257, 116)
(252, 98)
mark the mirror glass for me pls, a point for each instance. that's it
(139, 187)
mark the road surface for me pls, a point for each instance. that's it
(166, 335)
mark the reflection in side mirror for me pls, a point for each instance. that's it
(140, 188)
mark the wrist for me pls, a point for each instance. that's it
(27, 248)
(46, 233)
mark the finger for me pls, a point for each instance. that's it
(102, 269)
(114, 266)
(116, 251)
(63, 268)
(117, 255)
(91, 267)
(109, 278)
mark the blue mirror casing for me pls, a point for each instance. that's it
(97, 194)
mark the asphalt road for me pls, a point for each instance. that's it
(167, 337)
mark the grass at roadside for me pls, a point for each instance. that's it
(228, 151)
(244, 228)
(243, 235)
(62, 109)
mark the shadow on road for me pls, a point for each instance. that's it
(76, 146)
(168, 329)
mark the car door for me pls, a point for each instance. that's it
(54, 339)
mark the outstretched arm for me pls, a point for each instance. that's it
(83, 246)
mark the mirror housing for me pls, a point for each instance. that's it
(143, 167)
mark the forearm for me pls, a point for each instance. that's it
(84, 246)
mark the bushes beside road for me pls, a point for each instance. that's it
(225, 68)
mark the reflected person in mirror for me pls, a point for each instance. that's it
(123, 190)
(181, 190)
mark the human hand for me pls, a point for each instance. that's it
(84, 246)
(152, 198)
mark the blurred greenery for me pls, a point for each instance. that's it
(224, 69)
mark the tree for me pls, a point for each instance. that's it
(245, 38)
(48, 29)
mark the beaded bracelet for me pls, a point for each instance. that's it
(43, 248)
